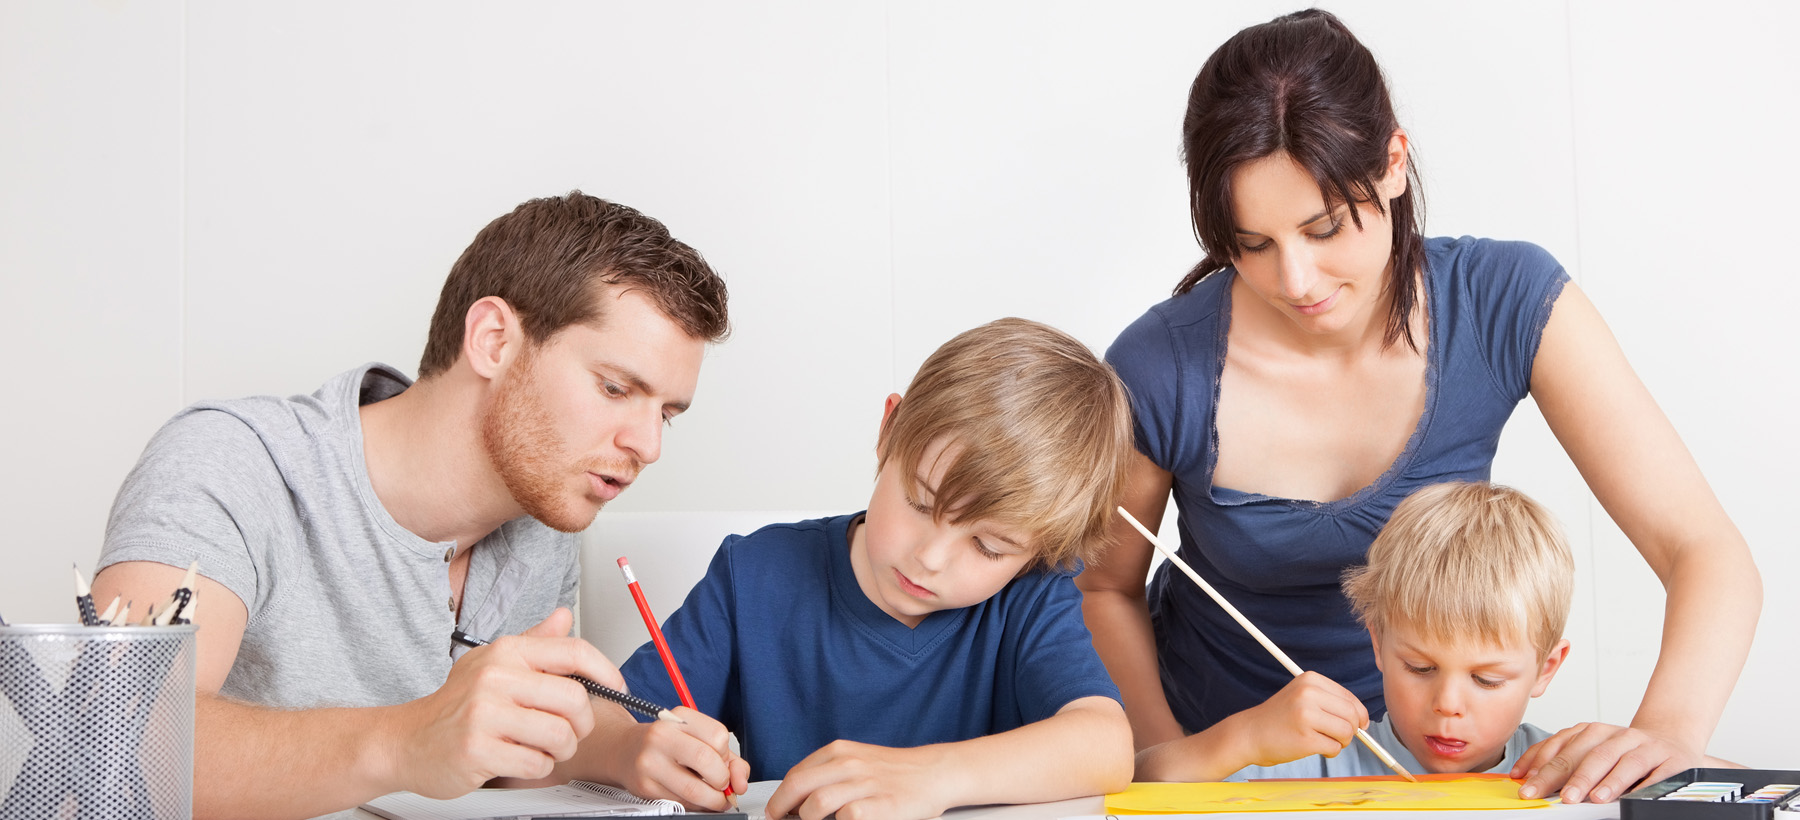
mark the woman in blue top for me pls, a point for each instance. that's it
(1324, 361)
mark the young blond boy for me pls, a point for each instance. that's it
(929, 652)
(1465, 595)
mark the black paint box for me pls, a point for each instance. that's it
(1646, 803)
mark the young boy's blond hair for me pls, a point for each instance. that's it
(1460, 561)
(1039, 428)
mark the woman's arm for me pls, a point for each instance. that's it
(1112, 603)
(1635, 464)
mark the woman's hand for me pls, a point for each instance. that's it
(1597, 762)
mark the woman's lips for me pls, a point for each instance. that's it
(1320, 306)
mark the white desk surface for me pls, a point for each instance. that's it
(1094, 808)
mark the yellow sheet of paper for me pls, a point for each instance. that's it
(1324, 794)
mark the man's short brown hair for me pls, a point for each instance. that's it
(552, 258)
(1039, 427)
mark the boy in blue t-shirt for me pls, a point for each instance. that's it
(929, 652)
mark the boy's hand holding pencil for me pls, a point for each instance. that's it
(665, 762)
(690, 762)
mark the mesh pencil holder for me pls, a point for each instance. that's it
(96, 722)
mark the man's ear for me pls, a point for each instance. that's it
(1393, 180)
(887, 414)
(492, 336)
(1547, 669)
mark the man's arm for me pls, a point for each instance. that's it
(1084, 749)
(504, 711)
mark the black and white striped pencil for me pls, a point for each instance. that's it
(179, 599)
(84, 600)
(629, 701)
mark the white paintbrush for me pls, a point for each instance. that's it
(1257, 634)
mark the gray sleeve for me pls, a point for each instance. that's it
(571, 588)
(1311, 766)
(205, 489)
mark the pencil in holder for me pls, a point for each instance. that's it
(96, 722)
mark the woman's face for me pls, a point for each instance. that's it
(1306, 258)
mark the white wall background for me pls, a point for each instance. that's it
(212, 199)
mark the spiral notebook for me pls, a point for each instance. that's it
(577, 799)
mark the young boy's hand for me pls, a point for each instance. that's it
(1311, 715)
(690, 762)
(858, 781)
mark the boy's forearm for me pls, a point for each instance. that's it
(1083, 750)
(1214, 753)
(266, 763)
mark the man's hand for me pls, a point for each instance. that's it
(1597, 762)
(505, 711)
(691, 762)
(858, 781)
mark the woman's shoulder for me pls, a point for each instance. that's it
(1472, 256)
(1491, 272)
(1179, 321)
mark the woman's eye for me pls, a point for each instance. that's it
(1337, 227)
(1249, 248)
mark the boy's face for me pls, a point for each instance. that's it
(1455, 704)
(912, 566)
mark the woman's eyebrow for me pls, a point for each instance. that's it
(1308, 221)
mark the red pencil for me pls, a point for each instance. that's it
(656, 637)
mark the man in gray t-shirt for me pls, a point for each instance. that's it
(343, 535)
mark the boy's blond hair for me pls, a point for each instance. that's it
(1461, 561)
(1038, 426)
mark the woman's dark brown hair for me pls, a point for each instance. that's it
(1300, 85)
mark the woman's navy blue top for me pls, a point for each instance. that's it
(1279, 560)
